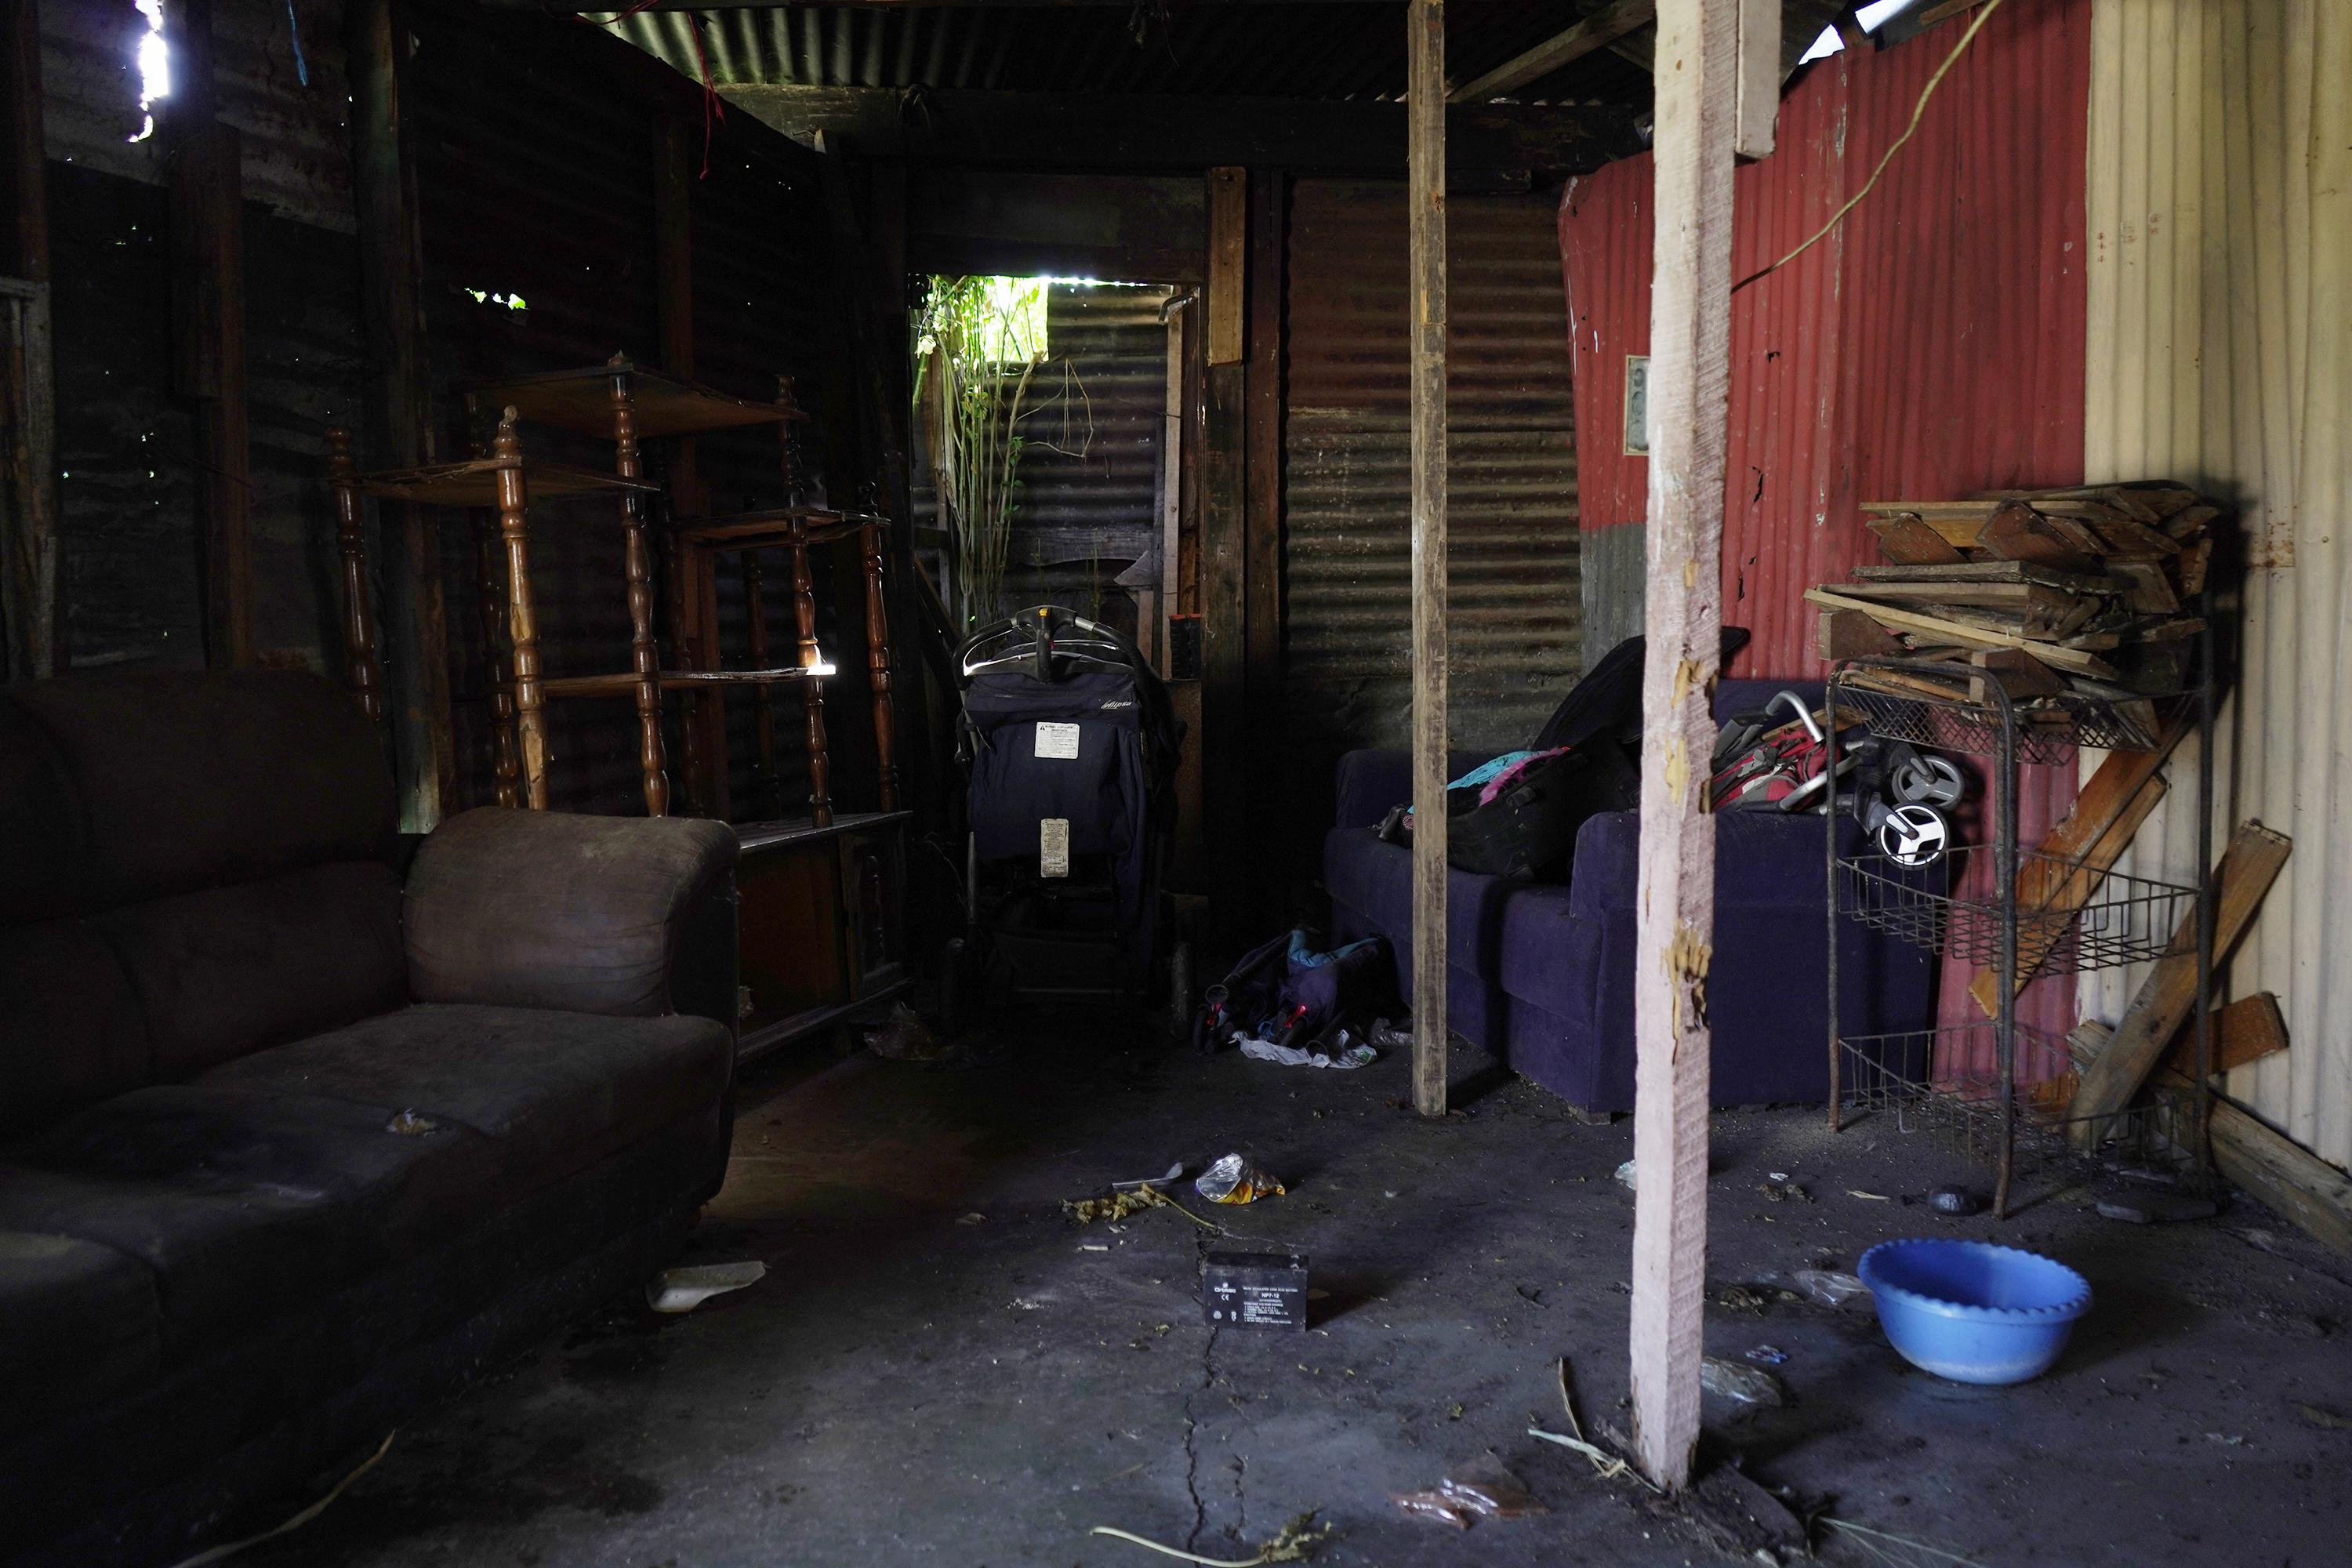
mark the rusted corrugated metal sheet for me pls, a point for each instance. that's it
(279, 81)
(1343, 50)
(2220, 354)
(1511, 520)
(1929, 347)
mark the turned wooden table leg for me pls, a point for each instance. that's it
(813, 688)
(522, 621)
(362, 668)
(878, 666)
(755, 611)
(490, 590)
(644, 655)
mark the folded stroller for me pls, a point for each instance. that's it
(1071, 746)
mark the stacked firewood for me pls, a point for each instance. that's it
(2084, 593)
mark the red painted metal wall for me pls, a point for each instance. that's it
(1932, 346)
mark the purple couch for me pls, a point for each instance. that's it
(1542, 975)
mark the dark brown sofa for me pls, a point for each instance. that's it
(302, 1122)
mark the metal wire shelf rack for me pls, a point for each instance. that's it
(2069, 918)
(2049, 729)
(1946, 1081)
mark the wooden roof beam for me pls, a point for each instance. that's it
(1600, 29)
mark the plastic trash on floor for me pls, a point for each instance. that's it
(1234, 1180)
(684, 1290)
(1747, 1384)
(1347, 1053)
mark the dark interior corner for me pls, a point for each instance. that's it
(1114, 780)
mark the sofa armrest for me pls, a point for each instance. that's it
(624, 916)
(1376, 781)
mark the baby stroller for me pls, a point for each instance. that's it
(1071, 746)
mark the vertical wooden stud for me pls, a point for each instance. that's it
(362, 671)
(637, 557)
(1261, 546)
(1690, 316)
(1425, 196)
(506, 769)
(522, 619)
(878, 666)
(820, 766)
(1224, 558)
(28, 539)
(1758, 88)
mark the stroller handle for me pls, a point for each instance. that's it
(1033, 638)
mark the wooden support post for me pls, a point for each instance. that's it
(399, 415)
(1425, 199)
(29, 512)
(208, 209)
(638, 566)
(1224, 555)
(878, 667)
(361, 669)
(506, 767)
(1690, 293)
(1261, 536)
(522, 620)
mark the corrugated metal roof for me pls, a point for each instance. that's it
(1511, 515)
(1928, 348)
(1326, 51)
(2220, 354)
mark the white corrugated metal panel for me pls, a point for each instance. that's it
(2220, 352)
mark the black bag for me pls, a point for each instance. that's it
(1530, 829)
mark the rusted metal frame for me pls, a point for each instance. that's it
(399, 417)
(362, 668)
(1675, 907)
(1426, 201)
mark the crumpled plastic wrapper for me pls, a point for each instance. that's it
(1830, 1287)
(1234, 1180)
(1747, 1384)
(1484, 1488)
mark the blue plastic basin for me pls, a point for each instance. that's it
(1972, 1312)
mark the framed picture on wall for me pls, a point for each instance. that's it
(1637, 405)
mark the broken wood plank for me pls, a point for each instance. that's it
(2305, 1189)
(2245, 1032)
(1851, 634)
(1992, 572)
(2073, 661)
(2151, 593)
(2248, 868)
(1979, 509)
(1989, 595)
(2018, 532)
(1909, 540)
(2017, 673)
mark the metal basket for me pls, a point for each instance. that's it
(2049, 729)
(2121, 919)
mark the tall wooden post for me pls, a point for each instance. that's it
(1425, 194)
(522, 617)
(28, 541)
(399, 410)
(361, 671)
(638, 566)
(1226, 779)
(1690, 320)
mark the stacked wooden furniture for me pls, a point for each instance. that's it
(2085, 592)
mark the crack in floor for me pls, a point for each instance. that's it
(1192, 1435)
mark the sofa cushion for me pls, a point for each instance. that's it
(43, 829)
(556, 1092)
(70, 1026)
(406, 1180)
(82, 1325)
(546, 909)
(223, 1251)
(186, 781)
(231, 970)
(1374, 880)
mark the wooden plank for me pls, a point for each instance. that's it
(1425, 266)
(2049, 891)
(2074, 661)
(399, 412)
(1757, 89)
(1908, 539)
(1690, 333)
(1987, 595)
(1262, 551)
(1959, 571)
(1228, 248)
(2251, 863)
(2017, 673)
(29, 512)
(1597, 31)
(1851, 634)
(2293, 1181)
(2245, 1032)
(2018, 532)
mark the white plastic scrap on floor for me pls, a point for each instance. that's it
(1347, 1056)
(684, 1290)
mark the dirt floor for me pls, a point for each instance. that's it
(941, 1366)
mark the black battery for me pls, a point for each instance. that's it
(1255, 1289)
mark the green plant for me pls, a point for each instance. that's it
(979, 342)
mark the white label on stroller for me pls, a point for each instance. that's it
(1059, 741)
(1054, 846)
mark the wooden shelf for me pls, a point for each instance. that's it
(752, 530)
(475, 482)
(625, 685)
(582, 400)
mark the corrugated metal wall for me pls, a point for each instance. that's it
(1929, 347)
(2220, 354)
(535, 171)
(1511, 493)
